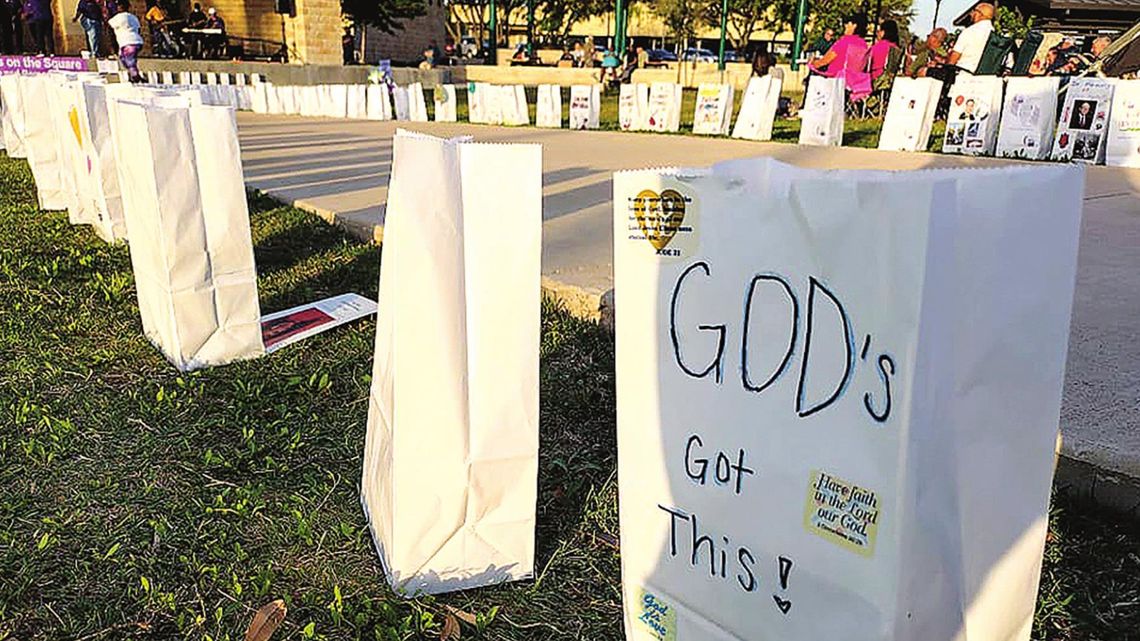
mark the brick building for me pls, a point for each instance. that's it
(408, 44)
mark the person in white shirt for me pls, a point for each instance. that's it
(967, 52)
(128, 35)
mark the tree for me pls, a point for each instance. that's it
(682, 17)
(823, 14)
(1010, 21)
(476, 12)
(385, 15)
(746, 17)
(559, 16)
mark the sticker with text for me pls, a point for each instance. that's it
(656, 616)
(842, 512)
(666, 220)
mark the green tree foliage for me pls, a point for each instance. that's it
(682, 17)
(386, 15)
(830, 13)
(746, 17)
(557, 17)
(1010, 21)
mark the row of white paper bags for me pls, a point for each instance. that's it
(1099, 121)
(364, 102)
(62, 124)
(643, 107)
(201, 78)
(833, 421)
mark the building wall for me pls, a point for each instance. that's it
(408, 44)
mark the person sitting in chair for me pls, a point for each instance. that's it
(971, 43)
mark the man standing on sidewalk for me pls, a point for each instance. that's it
(37, 13)
(89, 15)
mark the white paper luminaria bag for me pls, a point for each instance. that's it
(633, 106)
(712, 115)
(379, 102)
(548, 107)
(835, 421)
(585, 102)
(455, 381)
(513, 105)
(191, 250)
(12, 116)
(822, 118)
(910, 114)
(1028, 116)
(758, 109)
(975, 113)
(40, 143)
(417, 106)
(664, 107)
(445, 103)
(1123, 148)
(1083, 126)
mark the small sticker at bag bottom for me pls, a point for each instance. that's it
(842, 512)
(655, 617)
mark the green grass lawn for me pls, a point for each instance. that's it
(857, 132)
(139, 502)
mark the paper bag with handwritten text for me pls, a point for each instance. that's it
(835, 421)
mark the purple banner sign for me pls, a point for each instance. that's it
(36, 64)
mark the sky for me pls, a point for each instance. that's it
(924, 13)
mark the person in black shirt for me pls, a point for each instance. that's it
(197, 18)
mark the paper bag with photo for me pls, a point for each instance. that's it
(1027, 118)
(1083, 126)
(455, 381)
(835, 421)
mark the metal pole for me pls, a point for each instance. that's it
(798, 44)
(619, 29)
(723, 32)
(937, 6)
(493, 54)
(530, 29)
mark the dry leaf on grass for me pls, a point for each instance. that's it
(450, 631)
(466, 617)
(266, 621)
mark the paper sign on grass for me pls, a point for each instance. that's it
(451, 457)
(835, 421)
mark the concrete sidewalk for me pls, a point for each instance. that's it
(339, 169)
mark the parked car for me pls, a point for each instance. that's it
(693, 54)
(468, 47)
(658, 56)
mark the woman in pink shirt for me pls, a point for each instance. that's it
(887, 38)
(847, 58)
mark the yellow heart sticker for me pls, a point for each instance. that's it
(659, 215)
